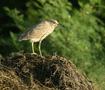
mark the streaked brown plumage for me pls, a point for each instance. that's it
(39, 32)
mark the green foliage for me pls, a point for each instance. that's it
(80, 35)
(17, 17)
(14, 40)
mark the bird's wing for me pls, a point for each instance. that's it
(39, 30)
(35, 31)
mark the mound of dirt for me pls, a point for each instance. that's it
(24, 71)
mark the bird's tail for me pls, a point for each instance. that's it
(21, 38)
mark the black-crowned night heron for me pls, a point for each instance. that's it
(39, 32)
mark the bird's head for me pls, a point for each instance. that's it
(54, 22)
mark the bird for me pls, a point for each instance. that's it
(38, 32)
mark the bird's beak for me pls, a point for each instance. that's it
(60, 24)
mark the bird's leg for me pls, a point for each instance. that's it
(33, 48)
(40, 48)
(40, 45)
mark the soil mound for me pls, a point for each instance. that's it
(24, 71)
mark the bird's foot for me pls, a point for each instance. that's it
(34, 53)
(41, 56)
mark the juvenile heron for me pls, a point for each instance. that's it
(39, 32)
